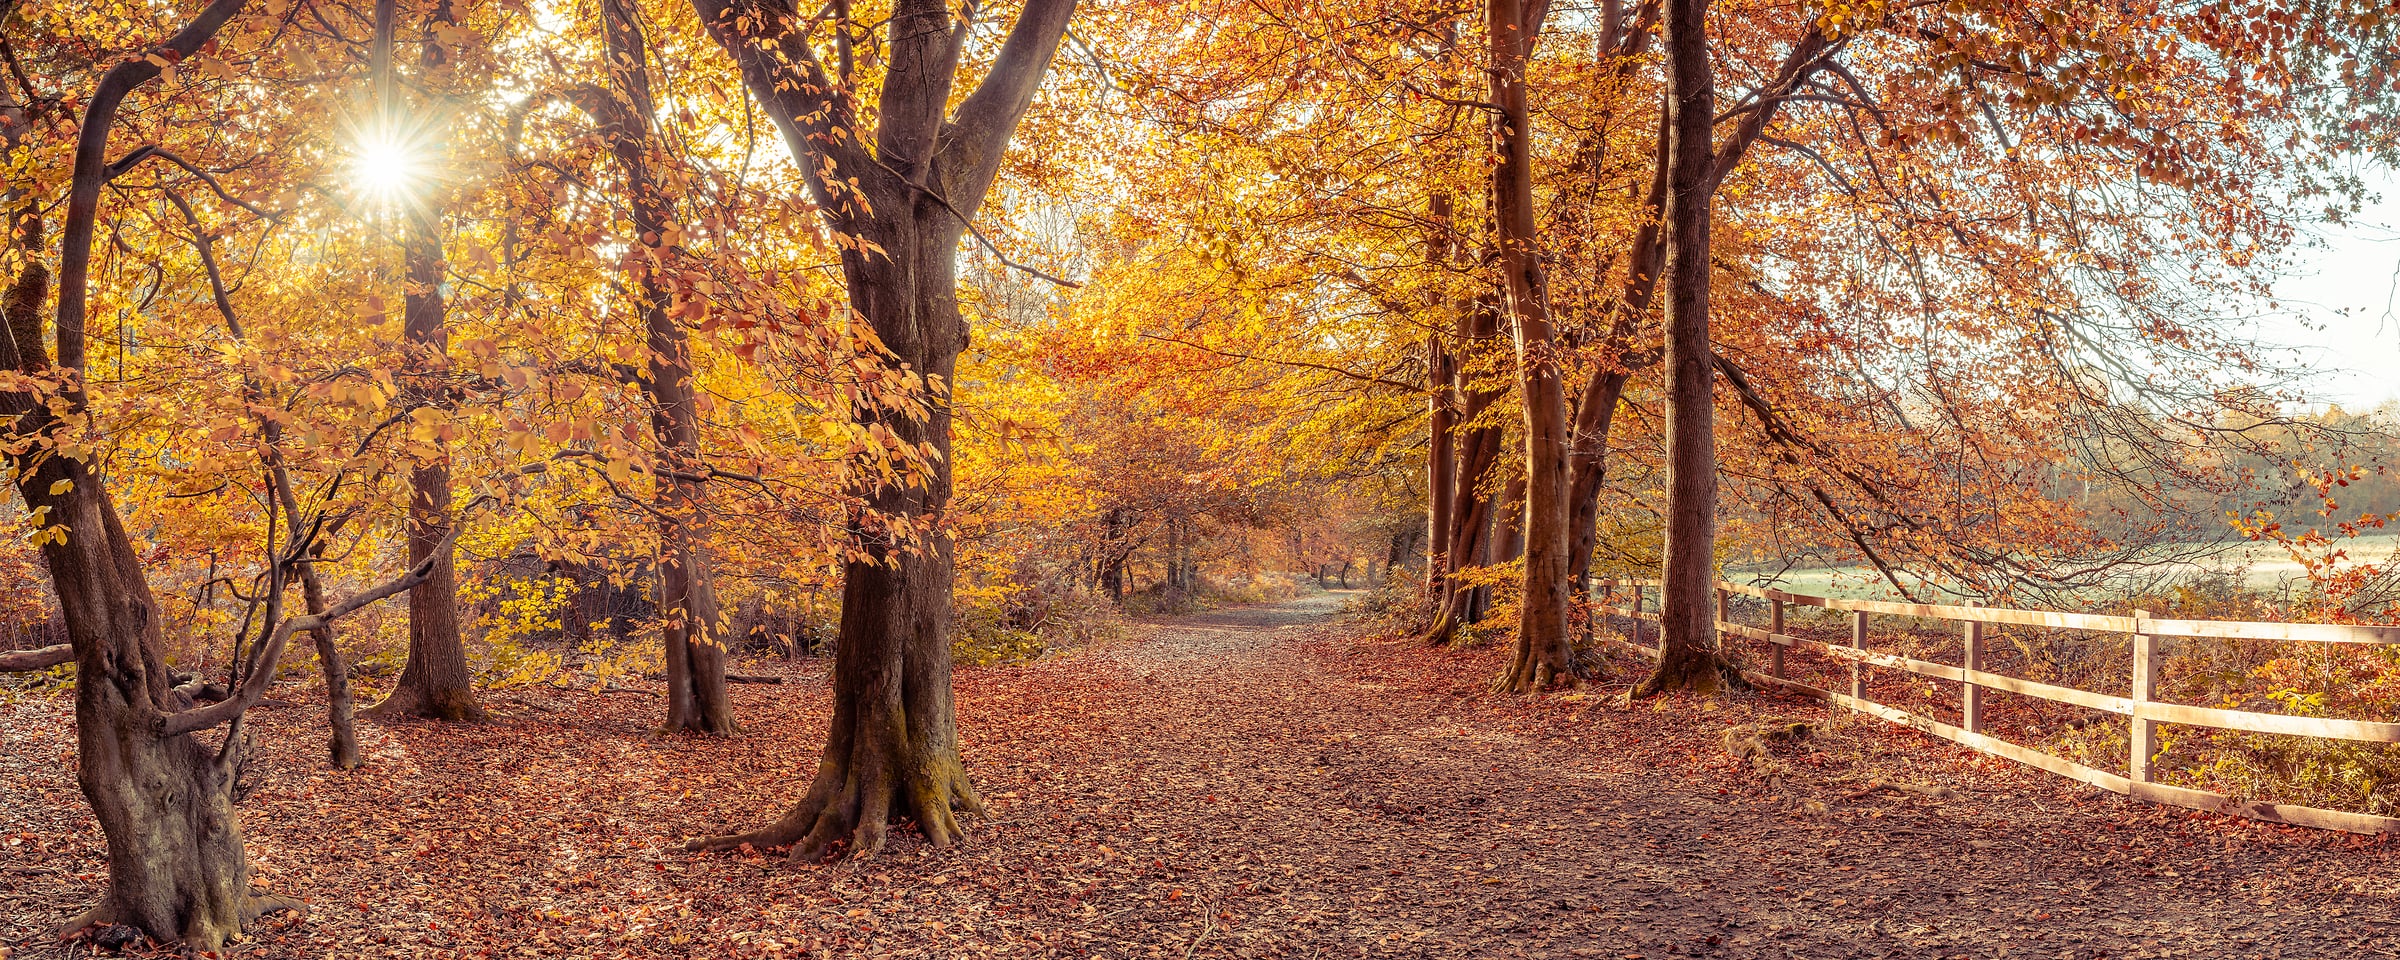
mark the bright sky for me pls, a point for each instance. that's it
(2345, 298)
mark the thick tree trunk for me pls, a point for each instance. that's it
(1689, 657)
(1543, 655)
(892, 751)
(435, 684)
(176, 866)
(893, 748)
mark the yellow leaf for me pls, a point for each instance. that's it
(61, 486)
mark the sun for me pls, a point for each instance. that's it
(386, 164)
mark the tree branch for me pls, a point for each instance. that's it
(254, 685)
(968, 158)
(1810, 54)
(91, 147)
(21, 661)
(126, 163)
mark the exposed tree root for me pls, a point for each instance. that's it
(260, 904)
(104, 912)
(407, 701)
(847, 815)
(1444, 627)
(105, 924)
(1527, 676)
(1701, 671)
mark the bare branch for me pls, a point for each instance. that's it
(129, 161)
(254, 686)
(21, 661)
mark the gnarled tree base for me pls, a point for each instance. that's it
(1532, 671)
(1696, 671)
(854, 804)
(454, 706)
(204, 930)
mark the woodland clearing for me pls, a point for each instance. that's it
(1253, 782)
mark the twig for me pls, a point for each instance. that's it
(1208, 925)
(965, 221)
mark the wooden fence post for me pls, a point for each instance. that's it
(1719, 629)
(1775, 650)
(1858, 641)
(1637, 613)
(2145, 688)
(1971, 699)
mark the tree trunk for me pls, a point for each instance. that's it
(893, 748)
(341, 747)
(176, 865)
(1597, 409)
(1112, 554)
(892, 751)
(435, 684)
(1441, 450)
(1508, 522)
(1479, 448)
(693, 624)
(1688, 656)
(1543, 656)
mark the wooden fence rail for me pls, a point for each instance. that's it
(2139, 705)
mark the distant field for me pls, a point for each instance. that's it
(2265, 567)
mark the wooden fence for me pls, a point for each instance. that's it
(2139, 704)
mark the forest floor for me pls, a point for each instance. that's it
(1257, 782)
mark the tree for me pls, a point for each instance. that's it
(1542, 655)
(164, 799)
(693, 625)
(435, 683)
(899, 203)
(1687, 621)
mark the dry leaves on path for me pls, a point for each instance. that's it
(1250, 783)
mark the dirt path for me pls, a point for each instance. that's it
(1428, 819)
(1247, 783)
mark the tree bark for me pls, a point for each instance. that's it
(177, 869)
(1479, 447)
(1689, 657)
(892, 751)
(1690, 654)
(341, 746)
(435, 684)
(1597, 408)
(1508, 522)
(1543, 656)
(693, 624)
(1441, 449)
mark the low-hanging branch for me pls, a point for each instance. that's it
(254, 686)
